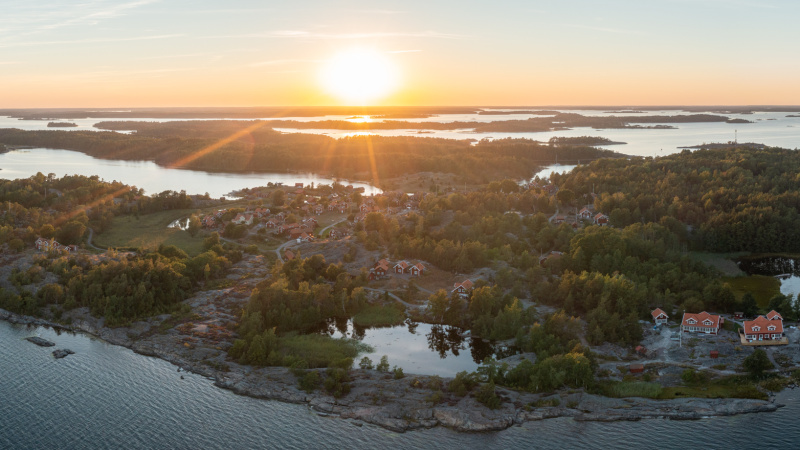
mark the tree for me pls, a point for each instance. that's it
(365, 363)
(194, 226)
(565, 196)
(278, 198)
(71, 233)
(757, 363)
(437, 305)
(749, 306)
(383, 366)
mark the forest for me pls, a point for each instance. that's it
(238, 146)
(720, 200)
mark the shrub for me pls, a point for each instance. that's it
(487, 396)
(365, 363)
(310, 381)
(462, 383)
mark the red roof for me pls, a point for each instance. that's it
(467, 284)
(657, 313)
(703, 319)
(762, 325)
(772, 315)
(403, 265)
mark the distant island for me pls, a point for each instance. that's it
(61, 125)
(721, 145)
(738, 121)
(583, 140)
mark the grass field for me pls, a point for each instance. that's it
(721, 261)
(149, 231)
(379, 316)
(762, 287)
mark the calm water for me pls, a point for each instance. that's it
(109, 397)
(774, 129)
(786, 269)
(419, 347)
(146, 174)
(770, 128)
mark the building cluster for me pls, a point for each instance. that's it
(384, 268)
(762, 328)
(51, 245)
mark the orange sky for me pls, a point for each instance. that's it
(197, 53)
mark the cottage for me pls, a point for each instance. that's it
(243, 219)
(659, 316)
(462, 289)
(288, 254)
(601, 219)
(416, 270)
(381, 268)
(714, 354)
(636, 368)
(559, 219)
(401, 267)
(701, 323)
(763, 329)
(774, 315)
(586, 213)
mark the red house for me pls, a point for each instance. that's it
(763, 329)
(701, 323)
(462, 288)
(401, 267)
(416, 270)
(659, 316)
(601, 219)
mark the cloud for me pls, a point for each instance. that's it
(604, 29)
(303, 34)
(88, 41)
(280, 62)
(95, 17)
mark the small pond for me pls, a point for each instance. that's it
(421, 348)
(787, 270)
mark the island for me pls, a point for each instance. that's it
(61, 125)
(576, 295)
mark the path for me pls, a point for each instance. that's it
(409, 305)
(89, 241)
(329, 226)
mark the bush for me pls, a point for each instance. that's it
(365, 363)
(383, 366)
(462, 384)
(398, 373)
(487, 396)
(310, 381)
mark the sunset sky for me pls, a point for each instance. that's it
(256, 53)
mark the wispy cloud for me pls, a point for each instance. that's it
(281, 62)
(95, 17)
(604, 29)
(303, 34)
(87, 41)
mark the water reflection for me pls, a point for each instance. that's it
(420, 348)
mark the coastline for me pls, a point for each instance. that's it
(398, 405)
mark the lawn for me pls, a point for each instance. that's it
(149, 231)
(721, 261)
(379, 316)
(762, 287)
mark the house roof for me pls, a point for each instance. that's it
(700, 320)
(658, 312)
(600, 216)
(402, 264)
(419, 266)
(762, 325)
(772, 315)
(466, 284)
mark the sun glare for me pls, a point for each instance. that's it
(359, 76)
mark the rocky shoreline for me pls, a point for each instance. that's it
(402, 404)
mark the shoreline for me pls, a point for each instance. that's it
(399, 406)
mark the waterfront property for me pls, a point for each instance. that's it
(659, 316)
(701, 323)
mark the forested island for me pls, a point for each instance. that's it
(571, 297)
(241, 146)
(61, 125)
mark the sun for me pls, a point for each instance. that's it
(359, 76)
